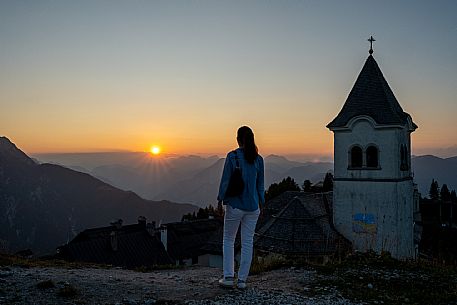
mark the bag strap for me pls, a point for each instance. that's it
(236, 160)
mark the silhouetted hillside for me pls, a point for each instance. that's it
(44, 205)
(430, 167)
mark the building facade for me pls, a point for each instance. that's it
(373, 191)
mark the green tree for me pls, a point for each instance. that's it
(434, 192)
(203, 213)
(287, 184)
(219, 210)
(328, 182)
(444, 193)
(188, 217)
(307, 186)
(211, 210)
(453, 196)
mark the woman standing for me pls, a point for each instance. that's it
(243, 209)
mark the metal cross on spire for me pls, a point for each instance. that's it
(371, 39)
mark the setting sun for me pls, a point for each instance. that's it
(155, 150)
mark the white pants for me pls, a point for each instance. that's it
(232, 219)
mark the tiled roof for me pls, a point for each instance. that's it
(371, 96)
(135, 247)
(302, 227)
(276, 204)
(185, 239)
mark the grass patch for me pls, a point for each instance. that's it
(68, 291)
(7, 260)
(371, 279)
(267, 263)
(271, 261)
(401, 290)
(46, 284)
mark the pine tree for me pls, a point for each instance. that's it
(202, 213)
(444, 193)
(188, 217)
(434, 192)
(453, 196)
(287, 184)
(220, 210)
(211, 211)
(307, 186)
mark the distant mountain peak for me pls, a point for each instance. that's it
(276, 157)
(10, 152)
(4, 141)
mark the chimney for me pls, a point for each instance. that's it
(151, 228)
(142, 221)
(163, 236)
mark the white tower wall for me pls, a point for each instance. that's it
(373, 207)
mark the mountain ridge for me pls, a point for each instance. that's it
(198, 183)
(45, 205)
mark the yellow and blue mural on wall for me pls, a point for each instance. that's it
(364, 223)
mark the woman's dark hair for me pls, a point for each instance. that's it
(245, 138)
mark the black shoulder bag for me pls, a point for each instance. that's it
(236, 183)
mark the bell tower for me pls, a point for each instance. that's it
(373, 190)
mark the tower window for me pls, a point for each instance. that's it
(372, 156)
(403, 158)
(356, 156)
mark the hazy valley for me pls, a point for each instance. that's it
(195, 179)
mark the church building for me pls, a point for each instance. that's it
(374, 195)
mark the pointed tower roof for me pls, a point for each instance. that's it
(371, 96)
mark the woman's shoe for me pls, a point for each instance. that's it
(241, 284)
(226, 282)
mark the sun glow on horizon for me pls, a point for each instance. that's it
(155, 150)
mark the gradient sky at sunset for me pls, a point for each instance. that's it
(125, 75)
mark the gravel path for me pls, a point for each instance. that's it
(255, 296)
(194, 286)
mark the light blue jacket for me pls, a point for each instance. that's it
(253, 176)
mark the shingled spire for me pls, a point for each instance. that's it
(371, 96)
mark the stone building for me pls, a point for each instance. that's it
(373, 193)
(134, 245)
(185, 241)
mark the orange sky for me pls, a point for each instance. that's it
(78, 78)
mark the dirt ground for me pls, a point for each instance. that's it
(53, 285)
